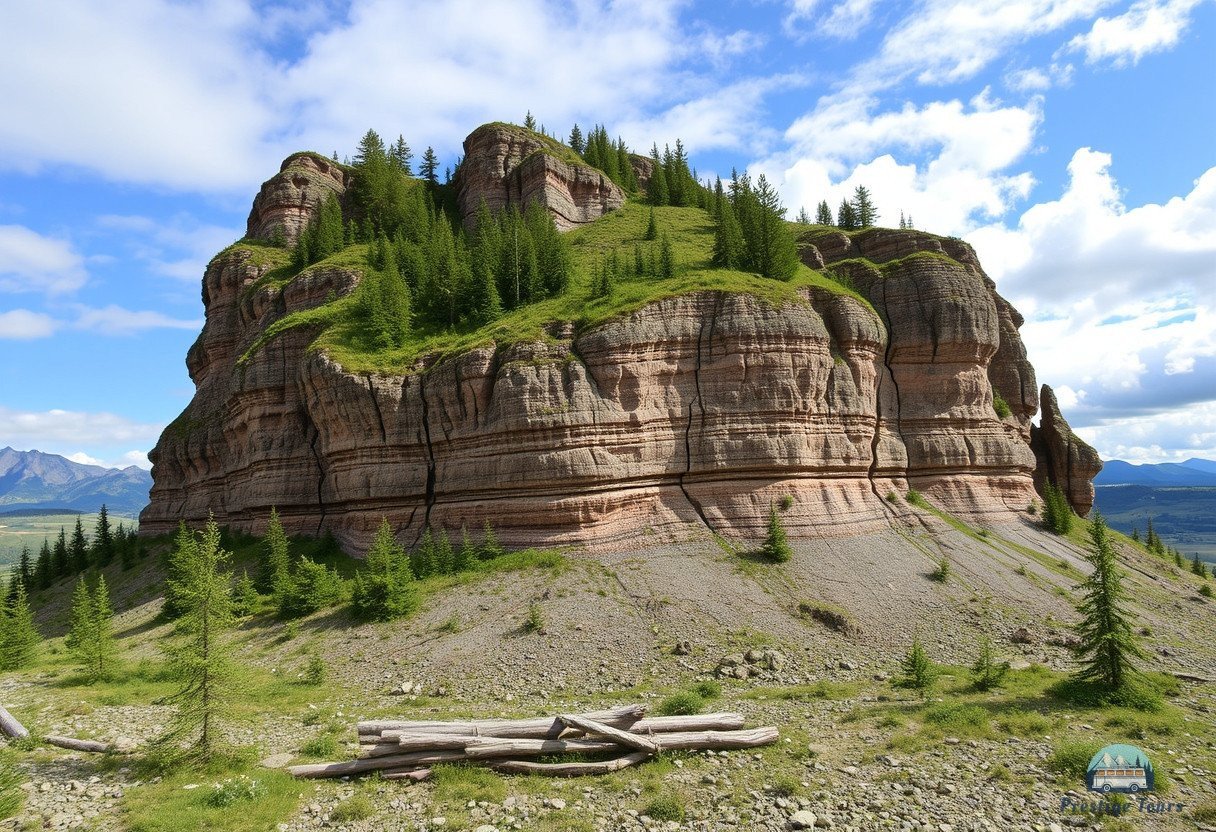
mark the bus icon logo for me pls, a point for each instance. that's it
(1119, 768)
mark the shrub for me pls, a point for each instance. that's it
(1057, 513)
(957, 716)
(681, 704)
(917, 672)
(1206, 590)
(1071, 757)
(316, 671)
(536, 618)
(787, 502)
(942, 573)
(311, 587)
(1000, 405)
(987, 673)
(322, 745)
(915, 498)
(356, 807)
(235, 790)
(829, 615)
(776, 548)
(709, 689)
(666, 807)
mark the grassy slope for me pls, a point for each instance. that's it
(691, 234)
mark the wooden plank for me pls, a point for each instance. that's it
(375, 763)
(536, 727)
(694, 722)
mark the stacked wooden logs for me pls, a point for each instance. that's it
(614, 739)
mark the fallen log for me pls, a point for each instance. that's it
(417, 742)
(415, 774)
(375, 763)
(11, 726)
(536, 727)
(695, 722)
(491, 747)
(592, 728)
(569, 769)
(73, 744)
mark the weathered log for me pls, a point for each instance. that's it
(11, 726)
(375, 763)
(491, 747)
(598, 729)
(92, 746)
(569, 769)
(695, 722)
(415, 774)
(536, 727)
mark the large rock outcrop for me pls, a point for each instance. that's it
(1064, 459)
(506, 165)
(290, 199)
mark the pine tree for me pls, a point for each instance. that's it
(275, 567)
(1057, 513)
(444, 558)
(1199, 567)
(430, 166)
(667, 258)
(863, 207)
(103, 540)
(44, 571)
(78, 554)
(371, 147)
(987, 673)
(184, 544)
(200, 658)
(803, 217)
(652, 228)
(422, 559)
(466, 555)
(490, 547)
(61, 558)
(728, 239)
(19, 639)
(400, 154)
(384, 588)
(917, 671)
(776, 548)
(771, 249)
(244, 596)
(1107, 643)
(25, 567)
(658, 190)
(529, 121)
(823, 214)
(846, 216)
(576, 140)
(1135, 535)
(91, 637)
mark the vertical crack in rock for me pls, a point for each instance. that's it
(312, 446)
(430, 459)
(885, 319)
(376, 406)
(688, 427)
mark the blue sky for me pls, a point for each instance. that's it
(1073, 142)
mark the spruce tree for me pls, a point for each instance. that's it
(103, 539)
(1057, 513)
(400, 154)
(987, 673)
(244, 596)
(576, 140)
(1199, 567)
(863, 207)
(61, 558)
(384, 588)
(772, 252)
(422, 559)
(1178, 560)
(728, 239)
(466, 555)
(444, 558)
(529, 121)
(1107, 643)
(823, 214)
(846, 216)
(667, 258)
(776, 548)
(182, 553)
(44, 571)
(803, 217)
(658, 190)
(1135, 535)
(490, 547)
(25, 567)
(275, 567)
(917, 671)
(19, 639)
(430, 166)
(199, 658)
(78, 553)
(652, 228)
(90, 637)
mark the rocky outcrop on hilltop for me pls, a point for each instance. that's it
(692, 414)
(505, 165)
(290, 199)
(1064, 459)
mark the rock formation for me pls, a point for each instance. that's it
(506, 165)
(291, 198)
(694, 413)
(1064, 459)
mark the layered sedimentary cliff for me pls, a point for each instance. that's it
(692, 414)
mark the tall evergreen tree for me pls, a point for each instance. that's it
(772, 250)
(25, 568)
(103, 539)
(1198, 567)
(44, 571)
(863, 207)
(1107, 643)
(846, 216)
(529, 121)
(776, 547)
(78, 553)
(19, 639)
(182, 553)
(200, 659)
(274, 571)
(576, 140)
(400, 154)
(658, 191)
(430, 166)
(62, 560)
(91, 637)
(823, 214)
(422, 559)
(371, 147)
(384, 588)
(444, 558)
(803, 217)
(667, 258)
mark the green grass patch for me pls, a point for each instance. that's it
(456, 785)
(681, 704)
(1071, 756)
(168, 806)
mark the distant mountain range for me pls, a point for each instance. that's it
(1193, 472)
(34, 480)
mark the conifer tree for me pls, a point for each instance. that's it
(1135, 535)
(91, 637)
(78, 554)
(25, 567)
(667, 258)
(639, 261)
(1178, 559)
(200, 657)
(430, 166)
(490, 547)
(529, 121)
(1107, 643)
(576, 140)
(987, 673)
(103, 539)
(776, 548)
(19, 639)
(803, 217)
(275, 567)
(400, 154)
(371, 147)
(422, 559)
(444, 558)
(846, 216)
(1199, 567)
(44, 571)
(384, 588)
(61, 557)
(652, 228)
(182, 553)
(466, 555)
(823, 214)
(863, 207)
(917, 671)
(729, 250)
(244, 596)
(1057, 513)
(771, 247)
(658, 190)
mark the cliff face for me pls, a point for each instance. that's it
(692, 414)
(291, 198)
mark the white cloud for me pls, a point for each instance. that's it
(721, 48)
(74, 427)
(22, 324)
(82, 458)
(1147, 26)
(30, 262)
(1162, 437)
(179, 247)
(136, 458)
(845, 20)
(1117, 299)
(115, 320)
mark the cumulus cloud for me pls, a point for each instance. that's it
(1147, 26)
(179, 247)
(1118, 306)
(1164, 437)
(31, 262)
(115, 320)
(23, 325)
(844, 20)
(75, 428)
